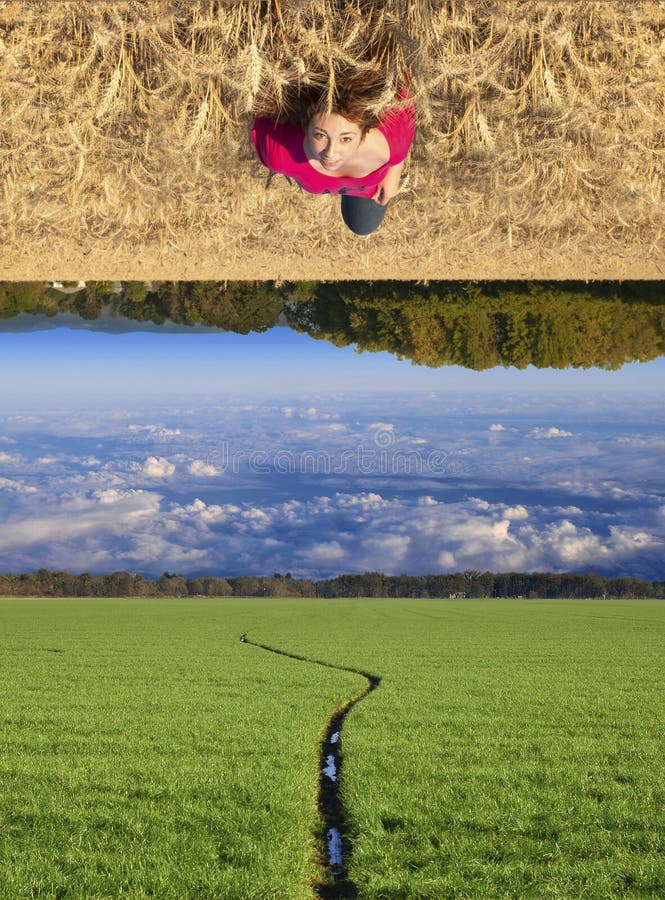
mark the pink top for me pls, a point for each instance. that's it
(280, 148)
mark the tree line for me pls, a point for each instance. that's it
(239, 306)
(471, 583)
(478, 325)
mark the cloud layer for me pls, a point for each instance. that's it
(333, 485)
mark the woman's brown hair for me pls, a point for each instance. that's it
(361, 96)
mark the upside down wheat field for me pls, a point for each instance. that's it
(126, 151)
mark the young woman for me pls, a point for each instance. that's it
(345, 150)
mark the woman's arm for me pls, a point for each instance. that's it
(386, 189)
(399, 129)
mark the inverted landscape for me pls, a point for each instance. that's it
(189, 746)
(315, 584)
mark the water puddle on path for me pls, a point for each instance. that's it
(334, 847)
(330, 768)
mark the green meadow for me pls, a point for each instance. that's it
(513, 748)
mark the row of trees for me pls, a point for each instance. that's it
(480, 325)
(45, 583)
(473, 324)
(239, 306)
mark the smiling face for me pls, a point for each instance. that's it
(333, 140)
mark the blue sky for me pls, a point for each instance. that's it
(86, 365)
(221, 453)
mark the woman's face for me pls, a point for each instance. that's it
(332, 139)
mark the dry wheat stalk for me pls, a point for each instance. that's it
(120, 120)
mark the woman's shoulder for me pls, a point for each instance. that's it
(399, 127)
(276, 142)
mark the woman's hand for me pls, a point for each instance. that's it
(386, 189)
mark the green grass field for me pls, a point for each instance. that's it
(513, 749)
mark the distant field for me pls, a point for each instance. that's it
(514, 748)
(126, 151)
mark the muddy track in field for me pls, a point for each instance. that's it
(337, 848)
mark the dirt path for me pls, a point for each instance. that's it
(337, 849)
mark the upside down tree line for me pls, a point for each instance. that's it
(478, 325)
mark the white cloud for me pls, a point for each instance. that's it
(384, 551)
(480, 533)
(301, 434)
(74, 517)
(201, 468)
(515, 513)
(572, 546)
(310, 412)
(255, 520)
(113, 495)
(446, 561)
(365, 501)
(551, 432)
(157, 467)
(9, 458)
(154, 430)
(9, 484)
(634, 540)
(600, 506)
(656, 443)
(212, 513)
(318, 537)
(326, 552)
